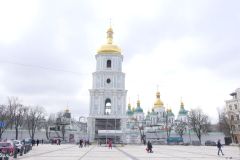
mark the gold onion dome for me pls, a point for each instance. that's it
(182, 110)
(109, 47)
(133, 109)
(138, 108)
(129, 111)
(158, 103)
(169, 112)
(67, 110)
(182, 104)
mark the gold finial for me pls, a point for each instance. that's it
(67, 108)
(109, 35)
(129, 104)
(138, 101)
(110, 22)
(158, 103)
(182, 104)
(109, 48)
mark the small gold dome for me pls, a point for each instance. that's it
(129, 106)
(158, 103)
(182, 104)
(109, 48)
(67, 110)
(138, 102)
(133, 109)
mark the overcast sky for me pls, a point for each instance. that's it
(190, 49)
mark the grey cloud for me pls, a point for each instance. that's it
(217, 22)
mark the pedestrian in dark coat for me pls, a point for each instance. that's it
(219, 145)
(149, 147)
(37, 142)
(81, 143)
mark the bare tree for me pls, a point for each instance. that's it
(199, 122)
(225, 123)
(49, 122)
(5, 118)
(62, 122)
(168, 125)
(34, 117)
(18, 113)
(180, 128)
(169, 128)
(140, 126)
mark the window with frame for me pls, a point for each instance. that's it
(237, 116)
(235, 106)
(109, 63)
(230, 107)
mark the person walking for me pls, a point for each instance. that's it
(110, 144)
(149, 147)
(85, 143)
(37, 142)
(33, 142)
(219, 145)
(81, 143)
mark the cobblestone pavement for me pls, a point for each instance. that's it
(129, 152)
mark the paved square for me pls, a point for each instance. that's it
(129, 152)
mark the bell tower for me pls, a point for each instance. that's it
(107, 114)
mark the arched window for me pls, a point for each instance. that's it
(108, 106)
(109, 63)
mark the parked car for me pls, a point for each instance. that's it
(27, 144)
(196, 143)
(210, 143)
(7, 148)
(19, 145)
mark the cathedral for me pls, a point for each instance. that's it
(108, 116)
(153, 126)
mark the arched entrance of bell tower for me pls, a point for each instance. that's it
(108, 106)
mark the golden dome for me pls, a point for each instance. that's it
(109, 48)
(158, 103)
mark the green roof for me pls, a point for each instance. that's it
(138, 109)
(129, 112)
(182, 111)
(170, 113)
(153, 113)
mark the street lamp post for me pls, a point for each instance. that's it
(115, 128)
(106, 130)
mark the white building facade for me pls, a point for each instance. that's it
(233, 111)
